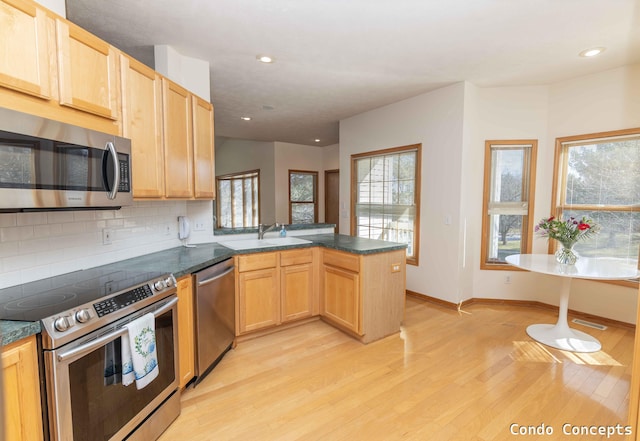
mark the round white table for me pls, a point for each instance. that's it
(560, 336)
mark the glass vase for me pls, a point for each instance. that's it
(565, 255)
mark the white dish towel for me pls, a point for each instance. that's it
(139, 356)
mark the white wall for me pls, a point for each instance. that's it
(452, 124)
(57, 6)
(296, 157)
(238, 155)
(190, 73)
(275, 159)
(605, 101)
(509, 113)
(331, 157)
(435, 120)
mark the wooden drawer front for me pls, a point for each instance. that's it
(338, 259)
(257, 261)
(296, 257)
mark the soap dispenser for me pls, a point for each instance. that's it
(283, 232)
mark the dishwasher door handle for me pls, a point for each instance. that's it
(102, 340)
(214, 278)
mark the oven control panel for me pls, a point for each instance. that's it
(65, 326)
(123, 300)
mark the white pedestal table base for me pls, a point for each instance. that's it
(560, 335)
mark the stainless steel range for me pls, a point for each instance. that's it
(83, 317)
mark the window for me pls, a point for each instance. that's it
(303, 197)
(507, 220)
(598, 176)
(238, 203)
(385, 201)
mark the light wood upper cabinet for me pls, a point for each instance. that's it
(178, 145)
(23, 415)
(142, 117)
(87, 69)
(186, 329)
(52, 68)
(24, 58)
(203, 157)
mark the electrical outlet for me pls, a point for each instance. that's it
(198, 226)
(107, 236)
(167, 230)
(507, 279)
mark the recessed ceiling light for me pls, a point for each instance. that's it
(246, 118)
(265, 59)
(317, 140)
(592, 52)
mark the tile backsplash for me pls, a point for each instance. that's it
(37, 245)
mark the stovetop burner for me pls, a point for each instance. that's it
(45, 298)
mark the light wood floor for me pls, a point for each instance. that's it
(447, 376)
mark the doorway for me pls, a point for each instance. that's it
(332, 197)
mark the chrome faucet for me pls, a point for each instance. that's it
(262, 228)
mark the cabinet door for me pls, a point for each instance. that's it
(186, 340)
(203, 156)
(23, 419)
(24, 58)
(142, 117)
(341, 297)
(258, 300)
(178, 147)
(87, 69)
(296, 283)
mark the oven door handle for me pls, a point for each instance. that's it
(100, 341)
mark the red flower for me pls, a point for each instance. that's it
(582, 226)
(551, 218)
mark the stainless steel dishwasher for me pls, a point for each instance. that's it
(214, 315)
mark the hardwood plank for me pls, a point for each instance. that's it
(446, 376)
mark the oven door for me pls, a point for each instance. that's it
(85, 403)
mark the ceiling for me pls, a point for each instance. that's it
(337, 58)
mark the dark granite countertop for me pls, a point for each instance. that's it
(351, 244)
(11, 331)
(292, 227)
(186, 260)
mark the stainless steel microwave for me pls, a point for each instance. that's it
(49, 165)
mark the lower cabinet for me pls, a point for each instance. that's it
(363, 294)
(297, 284)
(258, 299)
(341, 300)
(274, 288)
(23, 418)
(186, 341)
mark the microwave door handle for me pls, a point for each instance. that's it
(100, 341)
(116, 170)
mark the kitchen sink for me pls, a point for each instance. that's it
(247, 244)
